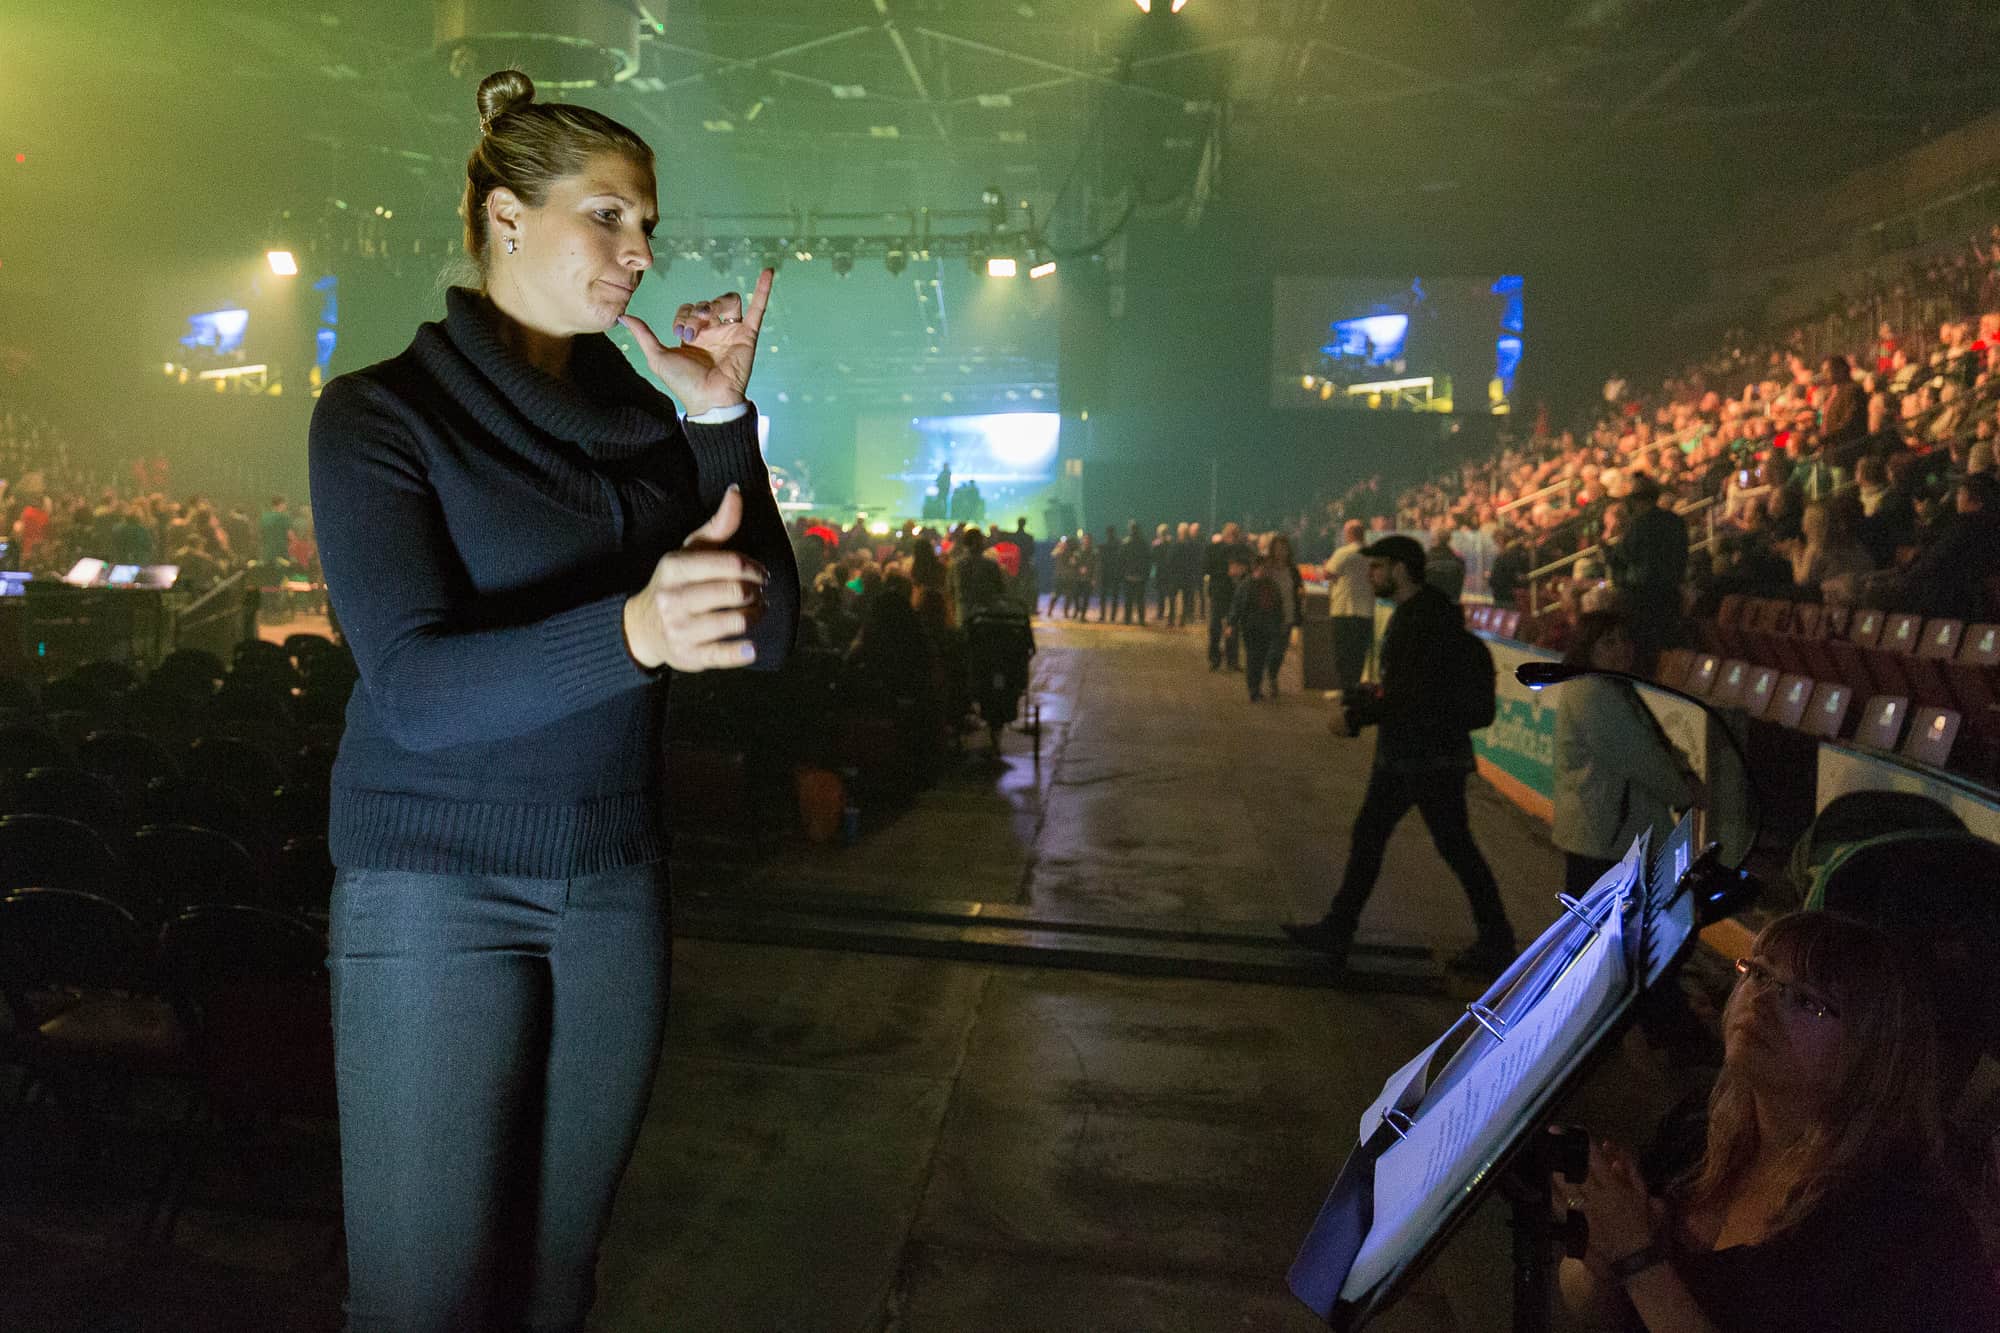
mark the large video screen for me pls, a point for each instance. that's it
(1000, 461)
(1408, 344)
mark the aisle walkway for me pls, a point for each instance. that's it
(846, 1142)
(856, 1143)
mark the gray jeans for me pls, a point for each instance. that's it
(495, 1041)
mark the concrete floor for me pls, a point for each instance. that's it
(861, 1143)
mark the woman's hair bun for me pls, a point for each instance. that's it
(502, 91)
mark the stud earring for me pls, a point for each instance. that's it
(510, 245)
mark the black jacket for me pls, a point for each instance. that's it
(1416, 734)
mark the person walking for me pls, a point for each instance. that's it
(1110, 574)
(1135, 557)
(1256, 613)
(1425, 707)
(1225, 560)
(1351, 605)
(522, 539)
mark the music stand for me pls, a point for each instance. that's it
(1674, 894)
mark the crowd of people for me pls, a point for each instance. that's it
(1843, 461)
(57, 508)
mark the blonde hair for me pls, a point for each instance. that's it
(527, 146)
(1884, 1107)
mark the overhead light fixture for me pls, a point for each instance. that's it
(719, 126)
(1046, 269)
(849, 92)
(1002, 268)
(843, 263)
(885, 132)
(896, 259)
(1146, 6)
(996, 207)
(803, 253)
(282, 263)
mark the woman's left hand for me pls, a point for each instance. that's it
(710, 366)
(1613, 1198)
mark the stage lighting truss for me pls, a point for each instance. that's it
(987, 254)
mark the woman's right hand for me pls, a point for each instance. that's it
(701, 601)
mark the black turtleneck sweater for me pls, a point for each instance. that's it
(481, 524)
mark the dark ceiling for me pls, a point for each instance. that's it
(891, 105)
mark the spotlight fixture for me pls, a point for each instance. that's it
(843, 262)
(977, 257)
(896, 259)
(996, 207)
(719, 257)
(1146, 6)
(803, 253)
(772, 258)
(282, 263)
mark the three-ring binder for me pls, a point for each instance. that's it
(1575, 909)
(1489, 1020)
(1399, 1121)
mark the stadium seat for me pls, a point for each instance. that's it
(1672, 669)
(1701, 675)
(1882, 720)
(1730, 678)
(1759, 690)
(1789, 699)
(1826, 711)
(1940, 639)
(69, 793)
(65, 939)
(184, 867)
(1980, 646)
(47, 851)
(1932, 734)
(24, 746)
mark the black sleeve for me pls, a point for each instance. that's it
(401, 596)
(728, 453)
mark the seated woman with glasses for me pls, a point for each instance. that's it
(1824, 1199)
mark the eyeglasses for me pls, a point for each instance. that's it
(1804, 1000)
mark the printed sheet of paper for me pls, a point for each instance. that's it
(1465, 1125)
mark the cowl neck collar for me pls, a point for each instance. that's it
(603, 406)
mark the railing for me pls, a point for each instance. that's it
(1561, 484)
(1708, 505)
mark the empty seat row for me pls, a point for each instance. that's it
(162, 868)
(1926, 733)
(1501, 621)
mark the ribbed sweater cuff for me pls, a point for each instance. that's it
(585, 652)
(726, 453)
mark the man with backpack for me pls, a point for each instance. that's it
(1437, 688)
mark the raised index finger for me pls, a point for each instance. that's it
(759, 299)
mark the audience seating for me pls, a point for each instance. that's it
(1730, 679)
(48, 851)
(1933, 731)
(1882, 719)
(66, 940)
(1826, 710)
(68, 793)
(249, 987)
(180, 866)
(1759, 690)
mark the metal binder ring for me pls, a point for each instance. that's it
(1487, 1019)
(1399, 1122)
(1575, 909)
